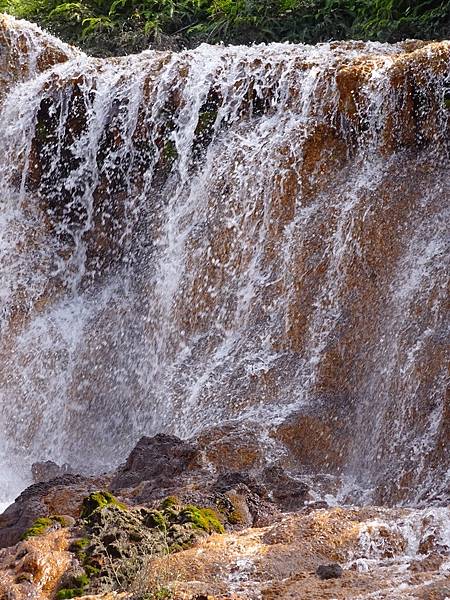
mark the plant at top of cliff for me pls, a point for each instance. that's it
(387, 19)
(124, 25)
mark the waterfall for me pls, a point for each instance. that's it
(226, 234)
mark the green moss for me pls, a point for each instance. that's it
(39, 527)
(80, 544)
(97, 501)
(61, 519)
(163, 594)
(91, 571)
(202, 518)
(69, 593)
(170, 502)
(42, 524)
(81, 581)
(170, 152)
(155, 518)
(206, 120)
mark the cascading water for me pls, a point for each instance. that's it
(227, 233)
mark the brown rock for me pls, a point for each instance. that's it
(60, 496)
(158, 461)
(34, 568)
(231, 448)
(25, 51)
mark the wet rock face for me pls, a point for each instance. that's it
(48, 470)
(318, 437)
(25, 51)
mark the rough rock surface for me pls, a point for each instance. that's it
(62, 496)
(32, 569)
(25, 51)
(222, 536)
(159, 460)
(280, 562)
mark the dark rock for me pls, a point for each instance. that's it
(228, 481)
(157, 460)
(333, 571)
(288, 492)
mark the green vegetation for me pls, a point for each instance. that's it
(43, 524)
(202, 518)
(120, 26)
(97, 501)
(69, 593)
(39, 527)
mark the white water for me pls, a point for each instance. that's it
(155, 260)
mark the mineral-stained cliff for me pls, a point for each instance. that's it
(245, 246)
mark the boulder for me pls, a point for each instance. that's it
(157, 460)
(333, 571)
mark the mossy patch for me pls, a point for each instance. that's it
(169, 151)
(91, 571)
(171, 502)
(202, 518)
(156, 518)
(97, 501)
(115, 540)
(62, 520)
(69, 593)
(39, 527)
(79, 545)
(81, 581)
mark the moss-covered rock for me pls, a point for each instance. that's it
(79, 544)
(156, 518)
(69, 593)
(206, 519)
(115, 541)
(171, 502)
(97, 501)
(43, 524)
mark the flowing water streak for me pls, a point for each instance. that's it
(172, 256)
